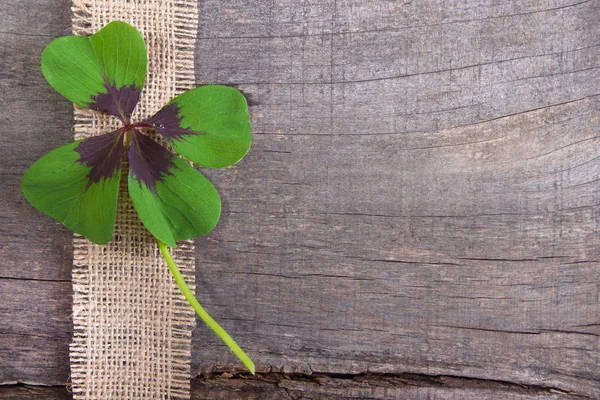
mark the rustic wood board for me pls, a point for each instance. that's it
(323, 386)
(22, 392)
(422, 193)
(36, 253)
(420, 203)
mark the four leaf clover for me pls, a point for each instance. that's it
(78, 183)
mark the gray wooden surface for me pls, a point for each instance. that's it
(417, 218)
(36, 253)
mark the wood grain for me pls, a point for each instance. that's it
(22, 392)
(422, 193)
(417, 218)
(326, 387)
(36, 254)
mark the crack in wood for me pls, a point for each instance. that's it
(16, 278)
(296, 385)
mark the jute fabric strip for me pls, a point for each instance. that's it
(131, 325)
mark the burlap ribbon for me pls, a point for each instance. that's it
(131, 325)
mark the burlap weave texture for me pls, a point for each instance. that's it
(131, 325)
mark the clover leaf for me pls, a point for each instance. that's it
(78, 183)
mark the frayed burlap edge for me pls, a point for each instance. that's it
(131, 325)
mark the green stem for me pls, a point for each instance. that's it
(212, 324)
(127, 140)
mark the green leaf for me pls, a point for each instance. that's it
(174, 201)
(78, 183)
(105, 71)
(208, 125)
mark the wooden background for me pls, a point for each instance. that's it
(417, 218)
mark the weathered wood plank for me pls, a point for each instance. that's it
(23, 392)
(280, 387)
(35, 120)
(35, 288)
(422, 192)
(35, 331)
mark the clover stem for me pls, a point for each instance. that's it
(127, 140)
(212, 324)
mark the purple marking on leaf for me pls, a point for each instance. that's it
(103, 154)
(118, 102)
(149, 162)
(168, 122)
